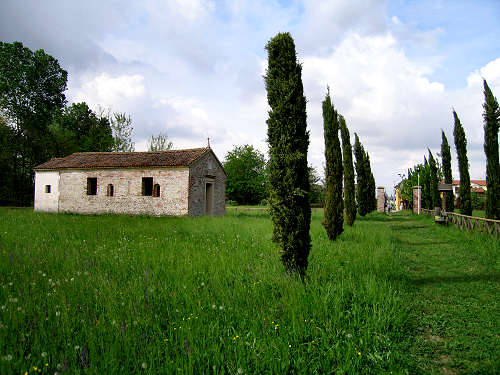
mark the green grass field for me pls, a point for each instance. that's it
(119, 294)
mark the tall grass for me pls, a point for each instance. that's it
(119, 294)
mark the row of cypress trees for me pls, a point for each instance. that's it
(288, 141)
(430, 174)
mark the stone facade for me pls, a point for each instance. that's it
(197, 189)
(207, 187)
(127, 192)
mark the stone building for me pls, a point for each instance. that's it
(175, 182)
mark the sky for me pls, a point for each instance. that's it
(194, 68)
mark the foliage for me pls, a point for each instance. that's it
(121, 127)
(425, 181)
(448, 178)
(463, 167)
(159, 143)
(361, 176)
(79, 129)
(371, 197)
(317, 194)
(333, 219)
(433, 182)
(349, 190)
(32, 86)
(491, 117)
(246, 175)
(288, 140)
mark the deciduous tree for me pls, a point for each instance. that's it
(159, 143)
(246, 175)
(288, 140)
(32, 86)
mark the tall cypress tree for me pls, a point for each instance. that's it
(491, 117)
(288, 140)
(448, 178)
(370, 192)
(333, 220)
(359, 153)
(463, 167)
(433, 183)
(426, 186)
(349, 192)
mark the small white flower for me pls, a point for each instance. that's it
(144, 365)
(8, 357)
(59, 366)
(113, 322)
(77, 347)
(13, 300)
(3, 307)
(19, 308)
(72, 279)
(44, 354)
(214, 307)
(44, 275)
(240, 371)
(58, 313)
(349, 335)
(202, 284)
(10, 284)
(221, 307)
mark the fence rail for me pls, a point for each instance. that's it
(470, 223)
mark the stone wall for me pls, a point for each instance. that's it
(203, 171)
(46, 201)
(127, 186)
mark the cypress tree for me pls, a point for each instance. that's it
(362, 179)
(433, 182)
(370, 192)
(425, 183)
(333, 220)
(349, 192)
(448, 178)
(463, 167)
(288, 140)
(491, 117)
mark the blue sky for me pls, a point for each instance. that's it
(194, 68)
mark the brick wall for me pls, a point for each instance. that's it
(207, 170)
(127, 186)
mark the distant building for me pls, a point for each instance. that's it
(476, 186)
(175, 182)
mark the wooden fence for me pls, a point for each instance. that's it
(464, 222)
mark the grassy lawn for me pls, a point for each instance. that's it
(110, 294)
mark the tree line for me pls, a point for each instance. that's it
(430, 173)
(37, 123)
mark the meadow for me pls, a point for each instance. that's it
(119, 294)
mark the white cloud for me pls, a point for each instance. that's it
(109, 91)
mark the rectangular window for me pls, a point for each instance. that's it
(47, 188)
(92, 186)
(147, 186)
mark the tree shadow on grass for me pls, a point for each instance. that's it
(456, 279)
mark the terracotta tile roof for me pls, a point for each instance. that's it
(477, 182)
(477, 190)
(85, 160)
